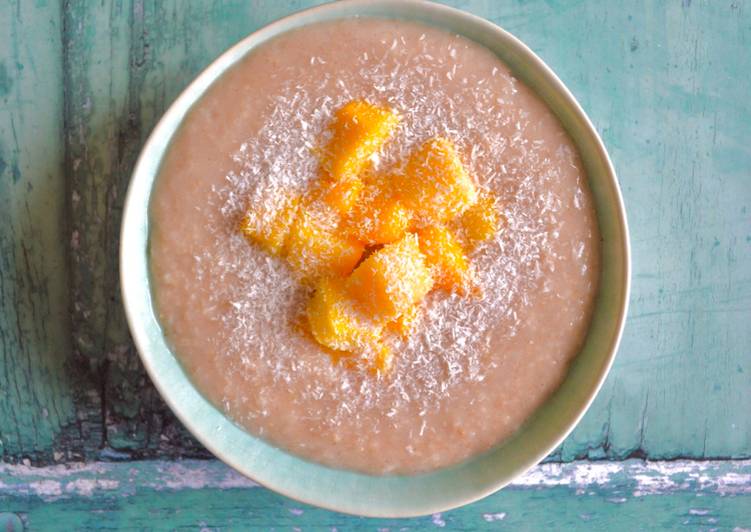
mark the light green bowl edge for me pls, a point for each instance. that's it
(346, 491)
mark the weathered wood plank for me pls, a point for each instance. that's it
(665, 83)
(208, 495)
(35, 394)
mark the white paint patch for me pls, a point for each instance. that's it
(644, 478)
(46, 488)
(54, 471)
(438, 520)
(296, 511)
(698, 511)
(87, 486)
(194, 474)
(631, 478)
(500, 516)
(574, 474)
(234, 480)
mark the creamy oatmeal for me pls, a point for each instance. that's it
(473, 368)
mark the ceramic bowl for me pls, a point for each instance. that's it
(347, 491)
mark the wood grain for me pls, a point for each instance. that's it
(207, 495)
(83, 83)
(35, 393)
(664, 85)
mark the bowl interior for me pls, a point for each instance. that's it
(389, 496)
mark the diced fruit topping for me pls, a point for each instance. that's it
(337, 324)
(268, 226)
(391, 280)
(378, 218)
(359, 130)
(383, 358)
(480, 222)
(403, 324)
(314, 249)
(334, 321)
(445, 256)
(373, 244)
(343, 195)
(434, 184)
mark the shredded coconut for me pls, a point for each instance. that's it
(448, 345)
(259, 301)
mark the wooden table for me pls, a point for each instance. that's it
(86, 441)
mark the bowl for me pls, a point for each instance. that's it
(347, 491)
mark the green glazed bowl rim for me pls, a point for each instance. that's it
(348, 491)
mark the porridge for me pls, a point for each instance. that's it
(450, 373)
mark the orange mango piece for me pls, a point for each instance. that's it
(445, 256)
(480, 222)
(269, 226)
(335, 323)
(391, 280)
(359, 130)
(314, 249)
(403, 324)
(382, 359)
(333, 320)
(342, 195)
(378, 218)
(434, 184)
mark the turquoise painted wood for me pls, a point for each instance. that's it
(207, 495)
(665, 84)
(36, 392)
(83, 83)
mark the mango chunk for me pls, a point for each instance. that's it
(391, 280)
(378, 218)
(434, 184)
(269, 225)
(359, 130)
(314, 249)
(445, 256)
(335, 323)
(404, 323)
(342, 195)
(382, 359)
(480, 222)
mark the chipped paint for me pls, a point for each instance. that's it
(46, 488)
(86, 486)
(206, 494)
(64, 480)
(634, 477)
(689, 293)
(648, 478)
